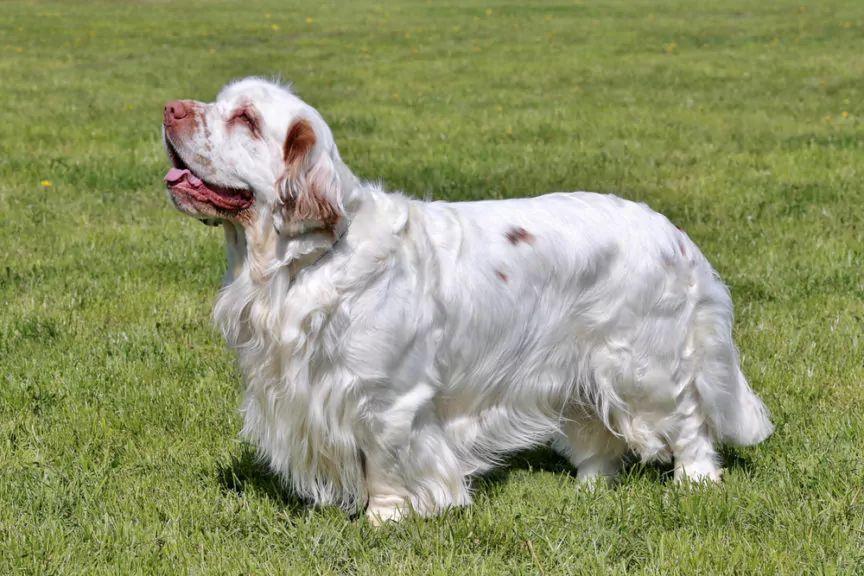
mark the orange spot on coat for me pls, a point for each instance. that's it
(519, 234)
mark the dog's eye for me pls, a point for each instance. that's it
(247, 117)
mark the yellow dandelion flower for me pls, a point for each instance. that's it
(274, 27)
(845, 114)
(309, 20)
(46, 183)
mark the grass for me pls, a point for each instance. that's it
(740, 120)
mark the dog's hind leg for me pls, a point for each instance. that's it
(692, 443)
(595, 452)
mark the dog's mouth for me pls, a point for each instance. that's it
(183, 183)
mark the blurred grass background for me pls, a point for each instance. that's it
(741, 121)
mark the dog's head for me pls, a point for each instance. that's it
(257, 152)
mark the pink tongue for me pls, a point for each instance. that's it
(175, 175)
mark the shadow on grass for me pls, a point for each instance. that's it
(545, 459)
(246, 473)
(731, 459)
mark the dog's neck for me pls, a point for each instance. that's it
(257, 248)
(263, 266)
(235, 250)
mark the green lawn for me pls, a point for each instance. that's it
(740, 120)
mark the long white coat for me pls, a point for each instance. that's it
(391, 348)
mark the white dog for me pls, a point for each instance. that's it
(391, 348)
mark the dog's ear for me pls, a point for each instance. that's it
(308, 190)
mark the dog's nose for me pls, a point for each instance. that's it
(175, 111)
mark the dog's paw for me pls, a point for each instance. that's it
(598, 472)
(698, 473)
(592, 482)
(386, 509)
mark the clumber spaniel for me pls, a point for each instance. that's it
(391, 348)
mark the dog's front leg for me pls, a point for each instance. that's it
(410, 465)
(389, 499)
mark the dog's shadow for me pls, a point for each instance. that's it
(546, 460)
(246, 473)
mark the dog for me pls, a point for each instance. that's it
(393, 348)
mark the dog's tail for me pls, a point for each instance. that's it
(737, 415)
